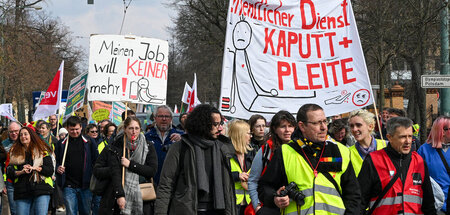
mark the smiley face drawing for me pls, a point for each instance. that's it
(361, 97)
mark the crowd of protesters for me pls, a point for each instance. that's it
(207, 164)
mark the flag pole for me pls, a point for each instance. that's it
(124, 145)
(378, 119)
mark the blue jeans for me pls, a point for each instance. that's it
(10, 193)
(35, 206)
(95, 204)
(77, 200)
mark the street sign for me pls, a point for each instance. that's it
(435, 81)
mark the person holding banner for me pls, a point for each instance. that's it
(311, 174)
(75, 158)
(196, 175)
(139, 161)
(31, 168)
(362, 124)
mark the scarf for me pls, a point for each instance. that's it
(200, 144)
(364, 152)
(38, 160)
(138, 153)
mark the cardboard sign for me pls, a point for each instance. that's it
(128, 68)
(100, 115)
(75, 99)
(280, 55)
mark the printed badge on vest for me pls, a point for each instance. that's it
(417, 179)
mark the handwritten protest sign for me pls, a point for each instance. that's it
(75, 98)
(100, 105)
(100, 115)
(128, 68)
(280, 55)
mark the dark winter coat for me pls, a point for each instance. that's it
(177, 190)
(108, 168)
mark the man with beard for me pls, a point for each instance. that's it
(162, 135)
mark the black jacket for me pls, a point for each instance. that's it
(108, 168)
(23, 187)
(275, 177)
(177, 190)
(371, 185)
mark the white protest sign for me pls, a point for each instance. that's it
(280, 55)
(128, 68)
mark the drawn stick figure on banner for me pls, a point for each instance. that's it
(247, 84)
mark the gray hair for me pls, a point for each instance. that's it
(12, 123)
(164, 107)
(394, 123)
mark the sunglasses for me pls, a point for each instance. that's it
(93, 131)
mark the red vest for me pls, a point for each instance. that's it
(401, 198)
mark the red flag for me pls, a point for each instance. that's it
(193, 100)
(51, 101)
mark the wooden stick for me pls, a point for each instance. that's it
(124, 144)
(378, 120)
(57, 126)
(65, 151)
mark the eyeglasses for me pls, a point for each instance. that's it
(93, 131)
(164, 116)
(446, 129)
(324, 122)
(13, 131)
(217, 124)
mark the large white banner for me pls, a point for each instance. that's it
(280, 55)
(128, 68)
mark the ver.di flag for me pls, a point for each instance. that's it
(51, 101)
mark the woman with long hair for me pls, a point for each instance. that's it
(257, 128)
(139, 161)
(362, 124)
(438, 143)
(280, 130)
(31, 168)
(240, 135)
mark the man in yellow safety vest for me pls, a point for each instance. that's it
(312, 174)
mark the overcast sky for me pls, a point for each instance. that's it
(147, 18)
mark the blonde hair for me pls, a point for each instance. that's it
(366, 116)
(237, 132)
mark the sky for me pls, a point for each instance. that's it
(146, 18)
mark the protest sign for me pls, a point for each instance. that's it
(100, 105)
(280, 55)
(75, 99)
(128, 68)
(116, 113)
(100, 115)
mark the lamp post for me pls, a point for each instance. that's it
(445, 93)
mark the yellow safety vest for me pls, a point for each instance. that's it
(321, 196)
(101, 146)
(240, 191)
(356, 158)
(48, 180)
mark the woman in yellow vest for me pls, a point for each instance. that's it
(31, 168)
(240, 135)
(362, 124)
